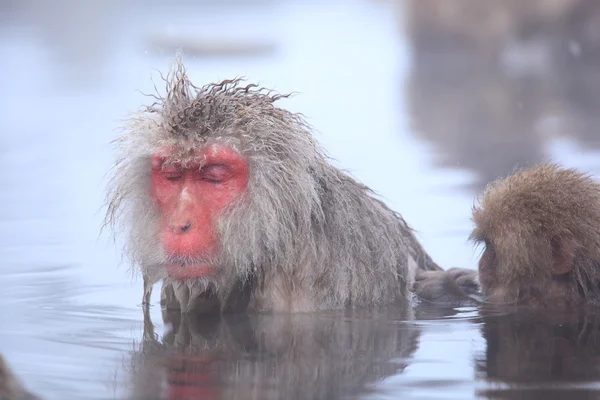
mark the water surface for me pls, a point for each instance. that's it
(426, 139)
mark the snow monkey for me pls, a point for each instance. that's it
(229, 200)
(541, 232)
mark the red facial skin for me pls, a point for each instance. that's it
(191, 200)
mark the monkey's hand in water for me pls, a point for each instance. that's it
(454, 287)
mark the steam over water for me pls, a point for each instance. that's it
(425, 132)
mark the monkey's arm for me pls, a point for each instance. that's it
(454, 287)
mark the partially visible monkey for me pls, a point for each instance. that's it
(10, 386)
(229, 199)
(541, 232)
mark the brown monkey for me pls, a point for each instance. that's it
(229, 199)
(541, 232)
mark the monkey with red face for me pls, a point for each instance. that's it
(541, 232)
(228, 200)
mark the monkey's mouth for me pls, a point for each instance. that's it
(188, 269)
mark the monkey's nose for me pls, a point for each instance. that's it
(177, 228)
(185, 227)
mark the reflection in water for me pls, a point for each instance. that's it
(58, 344)
(540, 356)
(260, 356)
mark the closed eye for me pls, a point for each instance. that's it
(215, 173)
(172, 175)
(172, 172)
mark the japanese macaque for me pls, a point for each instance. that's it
(10, 386)
(541, 232)
(229, 199)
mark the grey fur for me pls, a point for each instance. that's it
(308, 235)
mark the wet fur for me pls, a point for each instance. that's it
(305, 236)
(455, 287)
(524, 216)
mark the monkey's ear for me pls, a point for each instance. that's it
(563, 253)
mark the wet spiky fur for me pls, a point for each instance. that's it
(523, 215)
(308, 235)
